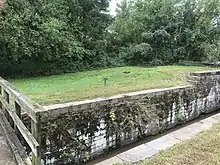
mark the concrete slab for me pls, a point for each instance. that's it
(138, 153)
(210, 121)
(182, 134)
(216, 118)
(197, 127)
(163, 143)
(110, 161)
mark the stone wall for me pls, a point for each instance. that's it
(74, 133)
(1, 3)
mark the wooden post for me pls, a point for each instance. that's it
(1, 96)
(1, 105)
(1, 90)
(36, 132)
(6, 97)
(18, 112)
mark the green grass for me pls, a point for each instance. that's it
(201, 150)
(87, 85)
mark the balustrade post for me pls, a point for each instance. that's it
(1, 94)
(36, 132)
(18, 112)
(6, 97)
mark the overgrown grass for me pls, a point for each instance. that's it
(84, 85)
(202, 150)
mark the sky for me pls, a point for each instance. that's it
(113, 6)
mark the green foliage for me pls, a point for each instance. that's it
(56, 36)
(174, 29)
(52, 36)
(138, 54)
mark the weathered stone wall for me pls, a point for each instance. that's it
(1, 3)
(77, 132)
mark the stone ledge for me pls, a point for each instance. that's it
(73, 106)
(206, 73)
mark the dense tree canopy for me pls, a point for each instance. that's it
(55, 36)
(171, 29)
(45, 37)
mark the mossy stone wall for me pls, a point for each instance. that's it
(74, 133)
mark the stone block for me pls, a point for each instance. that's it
(94, 104)
(114, 101)
(85, 106)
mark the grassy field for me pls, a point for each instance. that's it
(202, 150)
(85, 85)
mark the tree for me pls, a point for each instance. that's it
(175, 29)
(55, 35)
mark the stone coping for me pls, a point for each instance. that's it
(126, 95)
(206, 73)
(112, 98)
